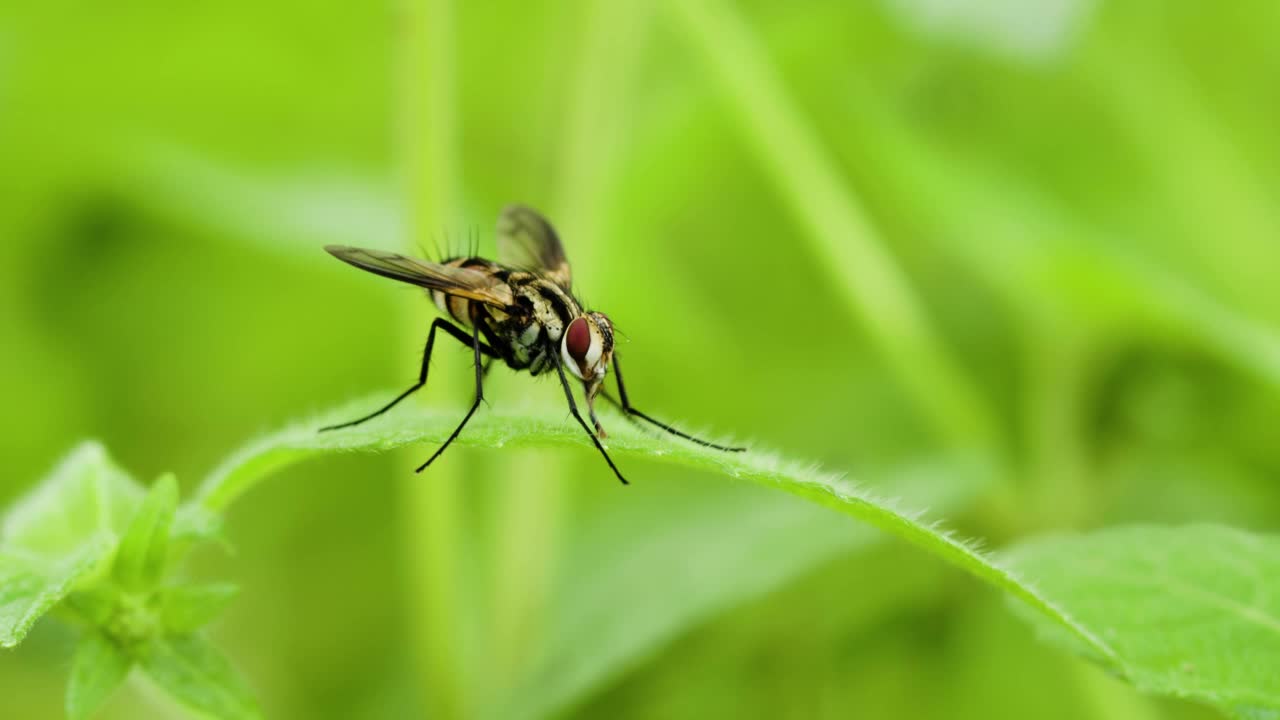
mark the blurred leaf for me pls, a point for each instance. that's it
(1090, 270)
(95, 606)
(1020, 30)
(713, 546)
(31, 585)
(1043, 256)
(62, 533)
(141, 557)
(294, 214)
(194, 523)
(196, 674)
(98, 669)
(188, 608)
(84, 496)
(1191, 612)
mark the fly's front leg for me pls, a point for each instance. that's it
(629, 410)
(630, 418)
(573, 409)
(591, 392)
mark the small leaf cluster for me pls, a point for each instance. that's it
(104, 551)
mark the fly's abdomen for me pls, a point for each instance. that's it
(458, 308)
(455, 307)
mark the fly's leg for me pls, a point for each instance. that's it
(448, 327)
(476, 346)
(630, 418)
(630, 411)
(573, 408)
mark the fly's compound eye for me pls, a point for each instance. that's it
(578, 339)
(581, 347)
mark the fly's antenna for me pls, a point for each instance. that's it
(617, 332)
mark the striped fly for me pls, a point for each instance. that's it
(520, 310)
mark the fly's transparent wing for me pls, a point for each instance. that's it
(528, 242)
(463, 282)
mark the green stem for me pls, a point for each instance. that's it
(530, 513)
(432, 509)
(840, 233)
(1057, 364)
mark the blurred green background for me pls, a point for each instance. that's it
(890, 237)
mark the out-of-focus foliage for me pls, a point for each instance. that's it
(1166, 596)
(1076, 208)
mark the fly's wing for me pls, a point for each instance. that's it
(528, 242)
(462, 282)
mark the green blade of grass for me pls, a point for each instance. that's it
(1072, 264)
(841, 234)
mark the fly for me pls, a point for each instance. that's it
(521, 311)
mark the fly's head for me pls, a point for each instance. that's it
(586, 348)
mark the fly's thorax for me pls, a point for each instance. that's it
(548, 305)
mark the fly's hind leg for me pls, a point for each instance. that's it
(448, 327)
(480, 372)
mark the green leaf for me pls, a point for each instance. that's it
(1192, 612)
(61, 535)
(95, 606)
(494, 429)
(196, 674)
(143, 551)
(99, 668)
(190, 607)
(31, 585)
(86, 495)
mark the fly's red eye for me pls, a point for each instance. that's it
(578, 339)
